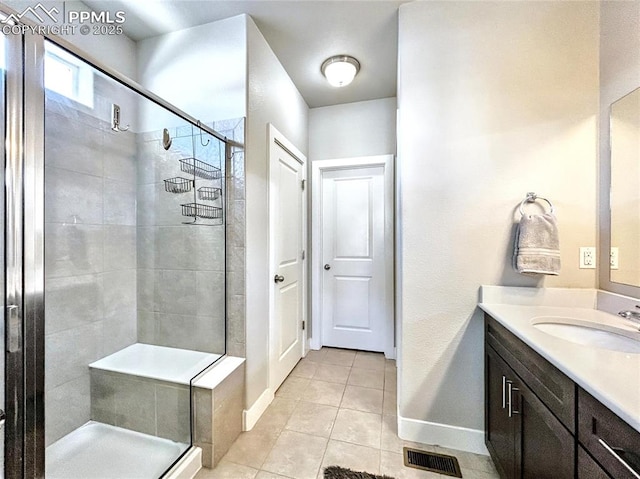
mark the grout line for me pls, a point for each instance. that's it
(155, 408)
(333, 426)
(281, 430)
(381, 430)
(380, 455)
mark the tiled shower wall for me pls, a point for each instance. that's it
(234, 130)
(181, 283)
(181, 267)
(90, 250)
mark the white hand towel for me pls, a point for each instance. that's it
(537, 246)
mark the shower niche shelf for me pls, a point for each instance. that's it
(178, 185)
(200, 169)
(207, 193)
(199, 210)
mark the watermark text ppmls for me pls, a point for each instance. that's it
(46, 20)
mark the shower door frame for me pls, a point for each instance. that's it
(24, 258)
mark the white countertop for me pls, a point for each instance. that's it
(610, 376)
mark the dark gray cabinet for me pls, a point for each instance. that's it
(524, 438)
(539, 424)
(609, 440)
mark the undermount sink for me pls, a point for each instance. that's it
(588, 333)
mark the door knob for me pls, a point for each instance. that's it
(327, 267)
(278, 279)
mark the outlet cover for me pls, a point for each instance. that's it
(613, 258)
(588, 257)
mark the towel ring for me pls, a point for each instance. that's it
(531, 198)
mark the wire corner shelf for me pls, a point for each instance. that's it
(208, 193)
(200, 169)
(199, 210)
(178, 185)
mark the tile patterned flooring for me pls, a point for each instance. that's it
(337, 407)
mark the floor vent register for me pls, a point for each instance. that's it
(431, 461)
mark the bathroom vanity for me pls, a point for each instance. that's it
(561, 402)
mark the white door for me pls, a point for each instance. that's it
(287, 272)
(355, 297)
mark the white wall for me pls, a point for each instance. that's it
(201, 70)
(272, 98)
(353, 129)
(496, 99)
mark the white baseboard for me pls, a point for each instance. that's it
(188, 466)
(250, 416)
(453, 437)
(314, 342)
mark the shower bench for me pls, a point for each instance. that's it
(147, 388)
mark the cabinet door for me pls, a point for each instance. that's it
(544, 447)
(588, 468)
(499, 427)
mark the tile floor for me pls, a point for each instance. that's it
(337, 407)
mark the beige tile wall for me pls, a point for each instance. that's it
(157, 408)
(90, 249)
(218, 417)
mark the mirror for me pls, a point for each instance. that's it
(625, 189)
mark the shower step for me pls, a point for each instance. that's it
(109, 452)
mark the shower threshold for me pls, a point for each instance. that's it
(101, 451)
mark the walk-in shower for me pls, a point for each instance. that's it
(116, 266)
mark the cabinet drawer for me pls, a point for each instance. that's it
(550, 384)
(588, 468)
(611, 441)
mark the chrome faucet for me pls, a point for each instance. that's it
(632, 315)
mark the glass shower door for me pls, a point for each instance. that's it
(135, 272)
(2, 235)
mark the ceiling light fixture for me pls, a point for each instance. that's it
(340, 70)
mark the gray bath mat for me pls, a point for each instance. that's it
(336, 472)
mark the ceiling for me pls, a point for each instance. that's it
(302, 34)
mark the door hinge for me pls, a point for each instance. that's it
(303, 325)
(303, 255)
(303, 183)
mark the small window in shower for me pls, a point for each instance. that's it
(68, 76)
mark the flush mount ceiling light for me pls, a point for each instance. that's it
(340, 70)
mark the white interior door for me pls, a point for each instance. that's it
(287, 226)
(356, 257)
